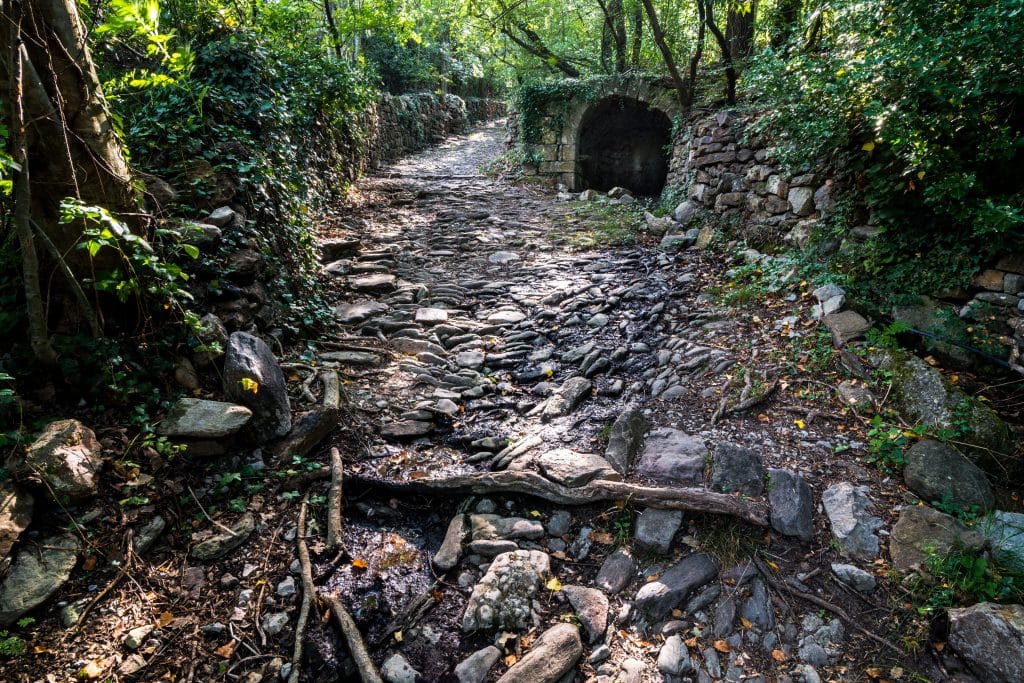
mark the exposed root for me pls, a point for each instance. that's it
(308, 592)
(356, 646)
(334, 501)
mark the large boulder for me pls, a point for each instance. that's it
(922, 532)
(990, 638)
(195, 418)
(1005, 532)
(924, 396)
(37, 573)
(15, 515)
(736, 469)
(253, 378)
(66, 456)
(938, 472)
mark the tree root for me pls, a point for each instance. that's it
(334, 501)
(533, 484)
(781, 587)
(356, 646)
(308, 593)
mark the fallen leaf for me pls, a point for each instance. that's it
(398, 636)
(225, 651)
(692, 642)
(772, 565)
(89, 563)
(602, 537)
(778, 655)
(896, 672)
(164, 619)
(800, 424)
(873, 672)
(559, 555)
(535, 513)
(554, 584)
(746, 623)
(359, 563)
(722, 646)
(93, 669)
(510, 660)
(939, 647)
(677, 613)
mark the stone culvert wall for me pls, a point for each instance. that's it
(398, 124)
(719, 170)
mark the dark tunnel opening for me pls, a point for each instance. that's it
(623, 143)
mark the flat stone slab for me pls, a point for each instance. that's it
(567, 398)
(221, 544)
(938, 472)
(625, 440)
(199, 419)
(591, 607)
(572, 469)
(990, 638)
(506, 317)
(357, 359)
(406, 429)
(616, 572)
(377, 282)
(655, 528)
(431, 316)
(673, 456)
(506, 597)
(502, 258)
(359, 312)
(853, 525)
(922, 531)
(791, 503)
(552, 656)
(657, 599)
(487, 527)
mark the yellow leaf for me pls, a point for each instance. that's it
(359, 563)
(554, 584)
(398, 636)
(93, 669)
(772, 565)
(249, 385)
(164, 619)
(868, 146)
(920, 175)
(746, 623)
(535, 513)
(800, 424)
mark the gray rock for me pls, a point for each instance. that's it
(502, 258)
(855, 395)
(617, 571)
(685, 212)
(847, 325)
(632, 671)
(355, 359)
(377, 282)
(250, 360)
(397, 669)
(474, 668)
(922, 531)
(591, 607)
(199, 419)
(574, 355)
(573, 469)
(553, 655)
(506, 596)
(567, 398)
(495, 527)
(854, 577)
(1005, 531)
(221, 544)
(488, 548)
(431, 316)
(286, 587)
(473, 360)
(656, 599)
(15, 515)
(559, 523)
(448, 555)
(214, 336)
(801, 200)
(737, 469)
(406, 429)
(35, 575)
(137, 636)
(849, 511)
(938, 472)
(758, 607)
(672, 456)
(725, 617)
(990, 638)
(67, 457)
(506, 317)
(656, 528)
(147, 534)
(791, 504)
(674, 657)
(359, 312)
(625, 440)
(826, 292)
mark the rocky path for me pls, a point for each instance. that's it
(489, 354)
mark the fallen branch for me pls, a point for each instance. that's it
(748, 403)
(721, 404)
(334, 501)
(780, 587)
(356, 646)
(410, 614)
(533, 484)
(308, 592)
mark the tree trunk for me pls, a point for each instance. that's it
(533, 44)
(73, 150)
(613, 36)
(666, 54)
(332, 28)
(723, 48)
(787, 15)
(638, 35)
(698, 53)
(739, 29)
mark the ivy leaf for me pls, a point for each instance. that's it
(191, 250)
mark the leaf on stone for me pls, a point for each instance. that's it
(250, 385)
(800, 424)
(225, 651)
(691, 642)
(554, 584)
(510, 660)
(398, 636)
(722, 646)
(535, 513)
(746, 623)
(778, 655)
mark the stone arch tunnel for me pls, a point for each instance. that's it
(623, 142)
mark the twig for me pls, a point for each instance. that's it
(334, 501)
(356, 646)
(210, 519)
(748, 403)
(824, 604)
(121, 575)
(721, 404)
(308, 591)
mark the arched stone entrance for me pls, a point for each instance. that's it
(623, 143)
